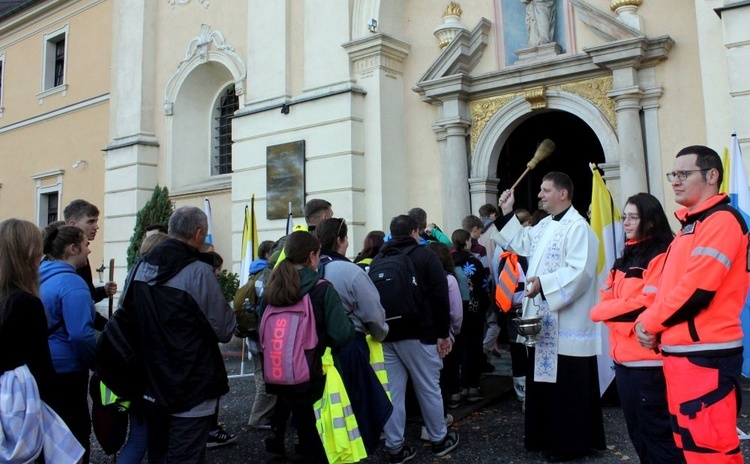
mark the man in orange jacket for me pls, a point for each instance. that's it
(695, 317)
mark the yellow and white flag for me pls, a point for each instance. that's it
(249, 242)
(605, 221)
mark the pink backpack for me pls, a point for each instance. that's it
(289, 338)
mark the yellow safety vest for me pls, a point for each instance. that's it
(377, 361)
(335, 421)
(109, 397)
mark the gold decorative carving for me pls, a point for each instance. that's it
(482, 111)
(620, 3)
(537, 97)
(453, 9)
(595, 91)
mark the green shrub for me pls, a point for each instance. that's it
(229, 283)
(157, 210)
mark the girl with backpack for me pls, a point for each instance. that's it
(361, 301)
(292, 279)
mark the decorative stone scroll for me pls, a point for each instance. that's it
(204, 3)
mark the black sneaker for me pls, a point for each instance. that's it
(219, 437)
(406, 453)
(274, 446)
(446, 445)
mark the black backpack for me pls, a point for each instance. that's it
(394, 275)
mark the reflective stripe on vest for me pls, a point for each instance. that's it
(335, 420)
(507, 281)
(377, 361)
(109, 397)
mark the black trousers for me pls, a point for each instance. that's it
(69, 400)
(643, 396)
(173, 440)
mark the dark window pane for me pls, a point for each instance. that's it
(52, 199)
(59, 62)
(228, 104)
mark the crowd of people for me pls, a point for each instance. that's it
(414, 318)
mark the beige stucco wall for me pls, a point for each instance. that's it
(56, 141)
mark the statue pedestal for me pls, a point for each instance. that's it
(538, 53)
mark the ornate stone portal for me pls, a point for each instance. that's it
(594, 90)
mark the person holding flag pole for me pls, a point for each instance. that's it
(625, 294)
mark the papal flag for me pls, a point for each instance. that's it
(210, 235)
(249, 241)
(605, 221)
(739, 197)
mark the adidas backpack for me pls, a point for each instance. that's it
(394, 275)
(289, 340)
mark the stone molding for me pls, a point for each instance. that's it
(204, 3)
(377, 52)
(461, 55)
(210, 45)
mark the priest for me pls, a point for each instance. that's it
(563, 408)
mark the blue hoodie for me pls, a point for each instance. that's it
(70, 312)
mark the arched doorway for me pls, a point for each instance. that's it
(577, 146)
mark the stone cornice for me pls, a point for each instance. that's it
(378, 51)
(461, 55)
(602, 23)
(639, 52)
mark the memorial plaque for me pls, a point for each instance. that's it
(285, 179)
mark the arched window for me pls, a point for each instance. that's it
(226, 105)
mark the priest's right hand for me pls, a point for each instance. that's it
(506, 201)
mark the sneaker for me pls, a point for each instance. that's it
(424, 436)
(455, 401)
(446, 445)
(274, 446)
(406, 453)
(474, 395)
(219, 437)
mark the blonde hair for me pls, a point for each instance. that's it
(151, 242)
(20, 255)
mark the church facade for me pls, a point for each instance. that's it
(382, 105)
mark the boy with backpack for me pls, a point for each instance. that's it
(414, 293)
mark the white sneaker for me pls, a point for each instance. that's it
(519, 386)
(425, 437)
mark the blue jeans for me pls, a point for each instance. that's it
(135, 448)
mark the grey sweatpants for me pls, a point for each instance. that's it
(411, 359)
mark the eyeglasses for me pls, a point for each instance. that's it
(341, 224)
(682, 175)
(631, 218)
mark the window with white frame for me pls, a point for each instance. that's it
(224, 109)
(55, 57)
(48, 195)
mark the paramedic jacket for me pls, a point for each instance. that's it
(182, 316)
(704, 283)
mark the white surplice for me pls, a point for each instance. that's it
(563, 254)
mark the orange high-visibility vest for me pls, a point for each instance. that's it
(507, 281)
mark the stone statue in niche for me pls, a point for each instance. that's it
(540, 21)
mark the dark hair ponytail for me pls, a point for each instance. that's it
(283, 285)
(58, 236)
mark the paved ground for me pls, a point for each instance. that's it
(490, 431)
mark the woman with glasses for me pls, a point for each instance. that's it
(361, 301)
(625, 294)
